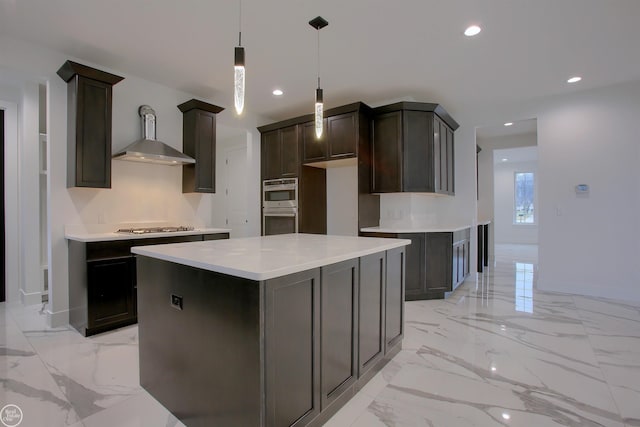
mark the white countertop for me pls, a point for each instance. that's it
(429, 229)
(262, 258)
(107, 236)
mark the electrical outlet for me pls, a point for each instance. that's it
(176, 302)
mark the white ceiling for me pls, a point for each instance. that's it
(515, 155)
(373, 50)
(518, 127)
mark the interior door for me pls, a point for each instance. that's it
(236, 190)
(2, 266)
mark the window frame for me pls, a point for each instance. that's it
(515, 193)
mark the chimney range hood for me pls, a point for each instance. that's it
(150, 150)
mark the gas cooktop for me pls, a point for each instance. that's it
(145, 230)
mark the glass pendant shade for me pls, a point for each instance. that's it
(319, 112)
(238, 87)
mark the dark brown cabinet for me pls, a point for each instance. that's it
(339, 317)
(284, 352)
(371, 327)
(314, 149)
(436, 262)
(102, 281)
(413, 149)
(280, 153)
(89, 105)
(199, 142)
(394, 297)
(290, 148)
(292, 329)
(339, 139)
(111, 298)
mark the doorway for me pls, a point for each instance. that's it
(507, 186)
(235, 191)
(2, 234)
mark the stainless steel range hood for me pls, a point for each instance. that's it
(150, 150)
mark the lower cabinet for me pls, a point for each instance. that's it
(339, 317)
(436, 262)
(111, 298)
(102, 281)
(292, 334)
(327, 332)
(371, 302)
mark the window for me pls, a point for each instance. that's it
(524, 212)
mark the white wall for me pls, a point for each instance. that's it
(590, 244)
(31, 284)
(140, 192)
(505, 231)
(342, 205)
(587, 245)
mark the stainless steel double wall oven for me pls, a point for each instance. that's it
(279, 206)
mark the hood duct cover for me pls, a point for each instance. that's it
(150, 150)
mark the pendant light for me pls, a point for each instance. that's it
(318, 23)
(238, 85)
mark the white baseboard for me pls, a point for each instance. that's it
(57, 319)
(30, 298)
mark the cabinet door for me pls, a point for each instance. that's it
(387, 152)
(417, 152)
(313, 149)
(338, 318)
(342, 134)
(394, 297)
(292, 331)
(437, 155)
(467, 258)
(440, 268)
(415, 283)
(450, 162)
(111, 291)
(205, 152)
(289, 151)
(371, 307)
(271, 155)
(92, 127)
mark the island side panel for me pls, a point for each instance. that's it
(203, 362)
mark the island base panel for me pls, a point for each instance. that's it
(202, 362)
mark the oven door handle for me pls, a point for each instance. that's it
(279, 214)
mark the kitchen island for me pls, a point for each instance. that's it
(267, 331)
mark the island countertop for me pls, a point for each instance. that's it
(267, 257)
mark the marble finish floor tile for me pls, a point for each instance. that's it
(496, 352)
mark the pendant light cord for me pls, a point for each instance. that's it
(240, 23)
(318, 58)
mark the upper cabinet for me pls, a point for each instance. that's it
(413, 149)
(340, 137)
(89, 103)
(280, 153)
(199, 142)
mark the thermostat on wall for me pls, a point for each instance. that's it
(582, 189)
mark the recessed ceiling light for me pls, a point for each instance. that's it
(472, 31)
(574, 79)
(508, 124)
(493, 369)
(503, 328)
(506, 416)
(277, 92)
